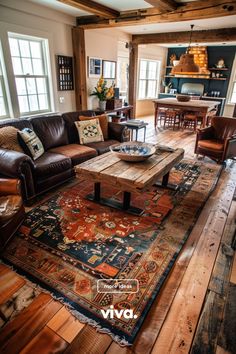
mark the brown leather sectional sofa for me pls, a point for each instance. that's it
(62, 152)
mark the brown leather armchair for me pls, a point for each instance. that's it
(217, 141)
(11, 209)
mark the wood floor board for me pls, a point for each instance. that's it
(233, 272)
(89, 341)
(205, 339)
(227, 335)
(65, 325)
(17, 333)
(45, 342)
(10, 282)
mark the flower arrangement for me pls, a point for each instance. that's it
(102, 91)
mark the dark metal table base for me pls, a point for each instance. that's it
(125, 206)
(165, 183)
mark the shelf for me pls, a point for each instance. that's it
(200, 77)
(218, 69)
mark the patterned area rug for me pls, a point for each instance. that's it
(68, 243)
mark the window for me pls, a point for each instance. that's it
(233, 95)
(123, 76)
(148, 79)
(31, 73)
(4, 111)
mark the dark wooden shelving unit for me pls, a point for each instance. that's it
(65, 73)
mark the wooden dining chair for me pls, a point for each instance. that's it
(173, 118)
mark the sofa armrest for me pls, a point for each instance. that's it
(117, 131)
(205, 134)
(9, 186)
(11, 162)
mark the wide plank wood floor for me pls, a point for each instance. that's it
(195, 311)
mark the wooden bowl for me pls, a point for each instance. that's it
(133, 152)
(183, 98)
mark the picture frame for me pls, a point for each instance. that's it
(94, 67)
(109, 69)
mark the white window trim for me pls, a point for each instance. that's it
(232, 81)
(47, 68)
(157, 79)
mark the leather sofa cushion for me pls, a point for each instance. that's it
(77, 153)
(211, 144)
(17, 123)
(51, 131)
(9, 206)
(102, 146)
(50, 164)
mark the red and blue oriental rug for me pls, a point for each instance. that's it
(68, 243)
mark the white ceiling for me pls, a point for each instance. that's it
(59, 6)
(120, 5)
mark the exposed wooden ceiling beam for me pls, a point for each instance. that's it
(189, 11)
(217, 35)
(166, 5)
(92, 7)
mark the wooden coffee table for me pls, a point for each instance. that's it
(127, 176)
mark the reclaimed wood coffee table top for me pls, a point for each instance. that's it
(129, 176)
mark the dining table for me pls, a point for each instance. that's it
(203, 107)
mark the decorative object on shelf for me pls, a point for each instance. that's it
(133, 152)
(220, 64)
(173, 91)
(109, 69)
(172, 59)
(114, 103)
(183, 98)
(186, 64)
(94, 67)
(175, 62)
(65, 73)
(167, 86)
(103, 93)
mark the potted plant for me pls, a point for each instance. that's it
(166, 86)
(103, 93)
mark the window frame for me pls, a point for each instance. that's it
(46, 69)
(3, 85)
(147, 80)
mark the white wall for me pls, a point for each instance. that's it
(152, 52)
(32, 19)
(102, 43)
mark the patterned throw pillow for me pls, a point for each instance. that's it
(8, 139)
(103, 120)
(89, 131)
(31, 143)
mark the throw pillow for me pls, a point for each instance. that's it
(103, 120)
(89, 131)
(31, 143)
(8, 139)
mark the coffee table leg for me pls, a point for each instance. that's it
(126, 200)
(97, 191)
(165, 179)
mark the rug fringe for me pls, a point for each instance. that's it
(79, 316)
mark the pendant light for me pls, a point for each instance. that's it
(186, 64)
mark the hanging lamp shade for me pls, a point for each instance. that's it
(186, 65)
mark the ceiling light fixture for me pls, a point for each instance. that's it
(186, 63)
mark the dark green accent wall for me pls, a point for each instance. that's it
(214, 54)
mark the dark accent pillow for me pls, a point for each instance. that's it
(30, 143)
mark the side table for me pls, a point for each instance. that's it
(136, 125)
